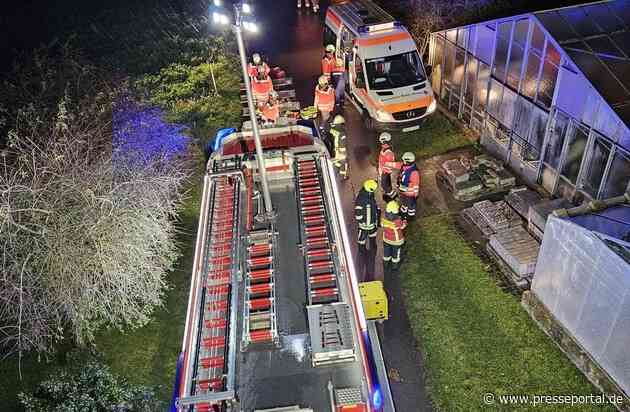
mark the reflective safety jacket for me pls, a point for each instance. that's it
(409, 181)
(270, 112)
(387, 160)
(366, 210)
(253, 71)
(261, 89)
(324, 99)
(393, 227)
(332, 65)
(338, 132)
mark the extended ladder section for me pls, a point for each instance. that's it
(259, 320)
(317, 248)
(214, 365)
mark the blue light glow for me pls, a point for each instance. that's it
(377, 399)
(141, 135)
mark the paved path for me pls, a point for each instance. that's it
(293, 41)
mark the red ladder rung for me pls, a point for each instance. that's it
(219, 289)
(214, 384)
(260, 274)
(214, 342)
(212, 362)
(218, 305)
(216, 323)
(324, 292)
(328, 277)
(260, 288)
(260, 335)
(260, 303)
(321, 264)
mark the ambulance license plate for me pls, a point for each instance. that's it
(411, 128)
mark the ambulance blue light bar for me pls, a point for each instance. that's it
(379, 27)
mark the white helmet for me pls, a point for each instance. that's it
(408, 157)
(338, 119)
(385, 138)
(273, 95)
(330, 48)
(323, 80)
(256, 59)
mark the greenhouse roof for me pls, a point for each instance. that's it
(597, 38)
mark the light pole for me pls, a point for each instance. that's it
(240, 9)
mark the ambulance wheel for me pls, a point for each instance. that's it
(368, 121)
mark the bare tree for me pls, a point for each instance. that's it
(86, 228)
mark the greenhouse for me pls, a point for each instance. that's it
(549, 92)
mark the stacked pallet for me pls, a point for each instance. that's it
(259, 325)
(211, 366)
(320, 269)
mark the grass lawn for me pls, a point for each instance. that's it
(476, 338)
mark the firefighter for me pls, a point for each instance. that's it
(338, 133)
(270, 110)
(262, 86)
(367, 213)
(408, 186)
(257, 65)
(334, 69)
(324, 99)
(386, 163)
(393, 235)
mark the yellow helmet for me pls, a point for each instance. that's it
(392, 207)
(370, 185)
(323, 80)
(338, 119)
(408, 157)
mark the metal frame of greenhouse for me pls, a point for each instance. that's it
(548, 91)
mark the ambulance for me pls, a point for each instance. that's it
(386, 79)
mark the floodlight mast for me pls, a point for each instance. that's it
(241, 8)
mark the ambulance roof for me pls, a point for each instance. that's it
(362, 17)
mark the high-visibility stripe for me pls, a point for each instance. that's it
(414, 104)
(374, 41)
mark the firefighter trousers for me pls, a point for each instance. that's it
(408, 206)
(391, 253)
(367, 254)
(342, 165)
(367, 239)
(386, 186)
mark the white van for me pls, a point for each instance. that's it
(387, 81)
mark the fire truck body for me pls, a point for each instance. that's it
(275, 320)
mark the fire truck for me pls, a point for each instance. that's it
(275, 320)
(387, 81)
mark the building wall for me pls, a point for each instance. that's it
(510, 81)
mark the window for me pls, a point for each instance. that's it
(482, 85)
(594, 169)
(471, 77)
(396, 71)
(438, 55)
(514, 68)
(485, 43)
(538, 39)
(556, 139)
(619, 175)
(360, 77)
(547, 84)
(531, 76)
(575, 153)
(501, 53)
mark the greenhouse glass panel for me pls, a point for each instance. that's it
(514, 68)
(451, 36)
(494, 98)
(618, 177)
(438, 65)
(556, 25)
(556, 139)
(607, 123)
(531, 76)
(462, 37)
(522, 117)
(472, 39)
(482, 86)
(594, 169)
(593, 100)
(572, 93)
(603, 44)
(538, 39)
(602, 15)
(547, 84)
(471, 79)
(621, 9)
(485, 43)
(537, 132)
(622, 40)
(520, 32)
(624, 138)
(501, 53)
(575, 153)
(458, 71)
(506, 110)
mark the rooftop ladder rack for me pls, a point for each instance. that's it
(315, 234)
(363, 14)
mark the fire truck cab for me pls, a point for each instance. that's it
(387, 81)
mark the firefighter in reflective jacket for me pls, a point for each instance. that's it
(408, 186)
(393, 236)
(262, 86)
(257, 66)
(338, 134)
(270, 110)
(367, 215)
(386, 164)
(324, 98)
